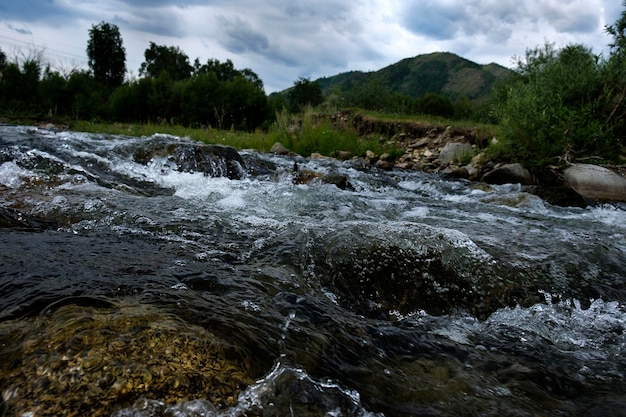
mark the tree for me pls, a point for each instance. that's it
(616, 72)
(107, 56)
(224, 71)
(3, 61)
(304, 92)
(53, 93)
(10, 91)
(436, 105)
(88, 97)
(29, 84)
(163, 59)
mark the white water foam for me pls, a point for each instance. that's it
(11, 175)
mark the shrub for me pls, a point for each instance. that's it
(556, 109)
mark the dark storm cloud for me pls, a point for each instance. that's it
(21, 31)
(154, 21)
(498, 20)
(435, 20)
(239, 36)
(32, 10)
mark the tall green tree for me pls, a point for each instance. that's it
(224, 71)
(53, 92)
(107, 56)
(616, 73)
(3, 61)
(166, 59)
(10, 91)
(88, 96)
(19, 85)
(304, 92)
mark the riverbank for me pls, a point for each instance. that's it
(474, 153)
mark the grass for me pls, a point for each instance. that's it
(260, 141)
(429, 120)
(305, 133)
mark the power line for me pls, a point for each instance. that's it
(21, 43)
(43, 47)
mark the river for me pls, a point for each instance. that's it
(158, 276)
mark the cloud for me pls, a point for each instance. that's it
(239, 36)
(282, 40)
(433, 19)
(162, 22)
(498, 20)
(21, 31)
(32, 10)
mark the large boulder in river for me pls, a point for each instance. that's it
(508, 174)
(595, 182)
(188, 156)
(212, 160)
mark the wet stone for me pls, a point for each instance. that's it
(79, 360)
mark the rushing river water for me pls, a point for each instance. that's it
(161, 277)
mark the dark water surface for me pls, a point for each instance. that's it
(160, 277)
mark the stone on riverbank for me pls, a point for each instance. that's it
(279, 149)
(455, 151)
(595, 182)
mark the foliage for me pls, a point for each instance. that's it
(165, 60)
(557, 108)
(304, 93)
(435, 105)
(241, 140)
(107, 56)
(392, 88)
(88, 96)
(216, 94)
(19, 85)
(53, 92)
(3, 61)
(310, 132)
(615, 75)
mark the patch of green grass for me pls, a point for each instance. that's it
(311, 132)
(241, 140)
(429, 120)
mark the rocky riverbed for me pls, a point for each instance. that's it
(461, 154)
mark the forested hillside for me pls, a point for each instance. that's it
(440, 73)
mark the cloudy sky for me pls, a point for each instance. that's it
(282, 40)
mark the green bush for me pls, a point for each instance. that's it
(557, 109)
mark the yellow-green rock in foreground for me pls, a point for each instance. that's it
(88, 361)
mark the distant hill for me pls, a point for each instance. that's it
(442, 73)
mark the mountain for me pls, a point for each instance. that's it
(442, 73)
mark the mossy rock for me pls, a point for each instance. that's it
(81, 360)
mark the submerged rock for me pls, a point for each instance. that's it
(340, 180)
(411, 270)
(212, 160)
(559, 196)
(508, 174)
(12, 218)
(595, 182)
(77, 361)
